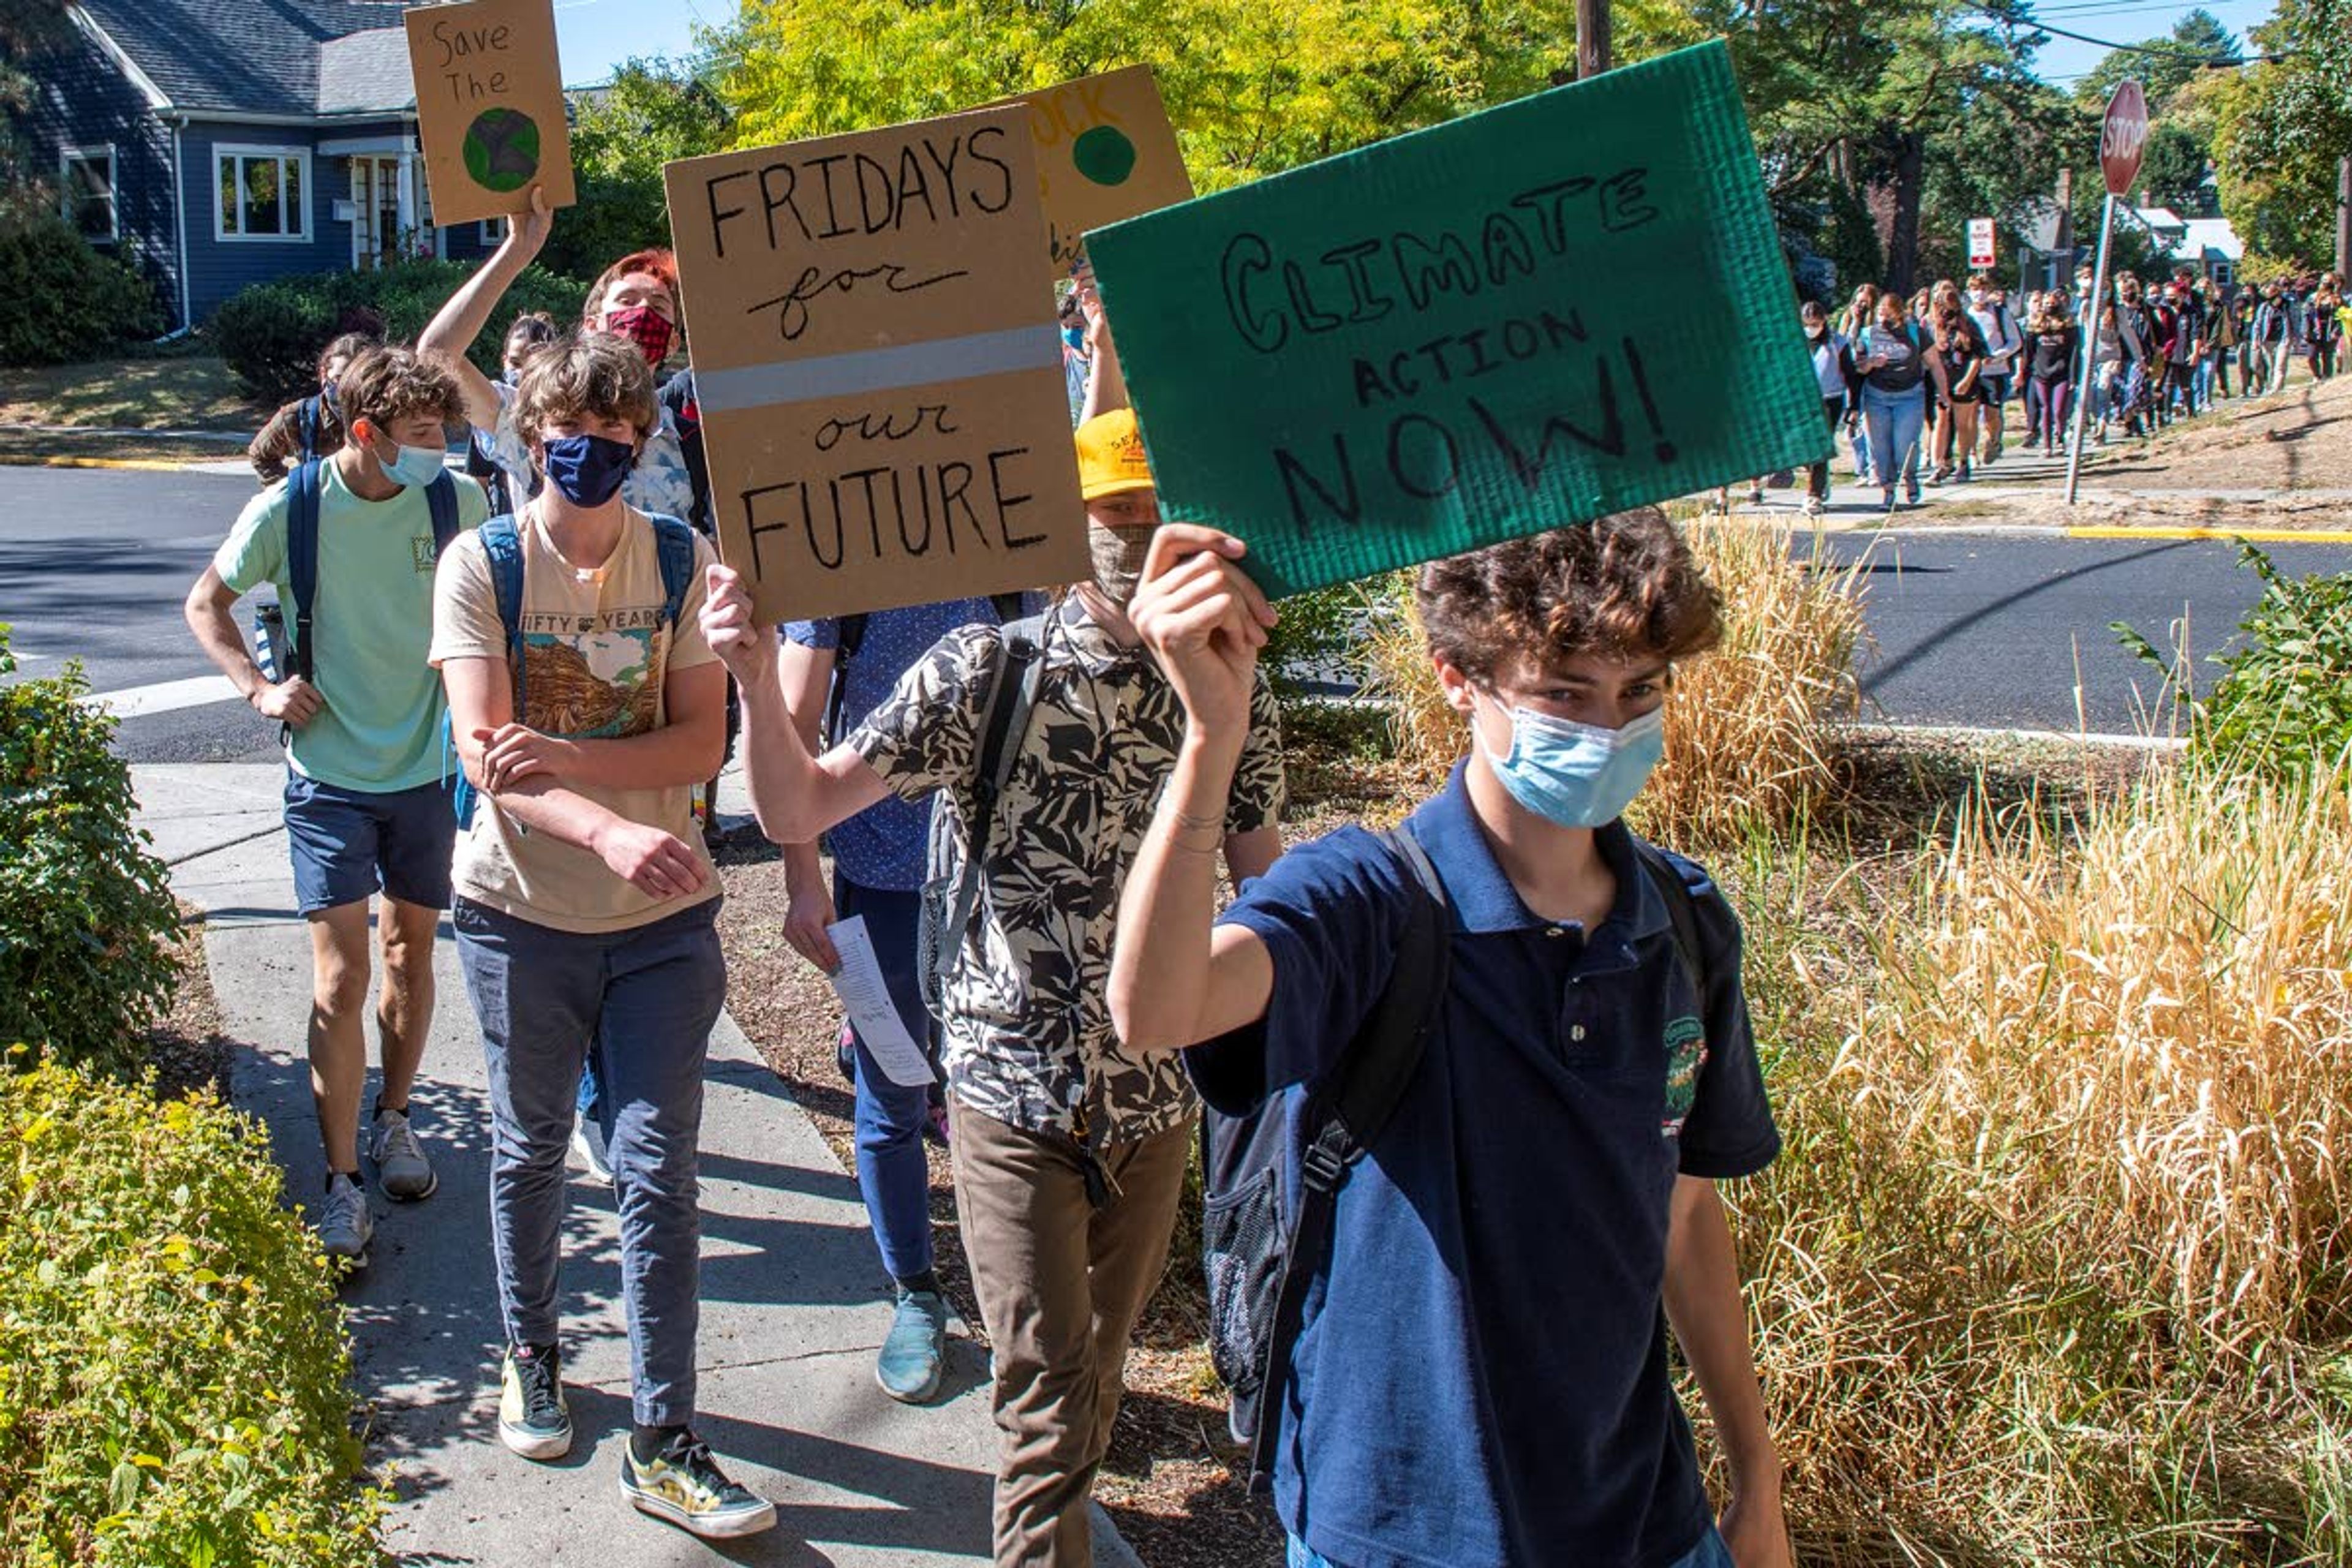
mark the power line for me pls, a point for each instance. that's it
(2175, 52)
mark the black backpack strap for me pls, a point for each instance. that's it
(302, 557)
(1352, 1110)
(1682, 911)
(441, 499)
(1019, 675)
(1008, 607)
(849, 635)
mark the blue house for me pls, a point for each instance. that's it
(216, 143)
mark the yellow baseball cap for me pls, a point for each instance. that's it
(1111, 456)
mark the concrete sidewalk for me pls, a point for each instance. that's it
(794, 1296)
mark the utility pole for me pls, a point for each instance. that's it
(2343, 218)
(1591, 38)
(2059, 265)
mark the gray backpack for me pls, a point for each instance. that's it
(955, 874)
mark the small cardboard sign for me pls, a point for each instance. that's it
(490, 107)
(878, 366)
(1536, 315)
(1105, 151)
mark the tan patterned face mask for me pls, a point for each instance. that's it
(1119, 556)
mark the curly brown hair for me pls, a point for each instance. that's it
(385, 384)
(584, 376)
(1626, 587)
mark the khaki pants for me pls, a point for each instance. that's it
(1060, 1284)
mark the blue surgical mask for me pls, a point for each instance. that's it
(417, 465)
(1579, 775)
(587, 470)
(1074, 336)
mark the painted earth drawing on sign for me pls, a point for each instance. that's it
(502, 149)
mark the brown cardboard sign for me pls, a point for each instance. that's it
(878, 366)
(1105, 151)
(490, 107)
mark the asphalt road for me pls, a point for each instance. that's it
(1967, 629)
(1999, 630)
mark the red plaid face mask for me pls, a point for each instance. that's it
(652, 332)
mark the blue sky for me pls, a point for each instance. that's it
(597, 34)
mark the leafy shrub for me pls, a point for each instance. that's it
(1318, 635)
(271, 333)
(172, 1361)
(86, 915)
(66, 301)
(2283, 706)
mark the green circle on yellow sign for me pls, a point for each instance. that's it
(1104, 155)
(502, 149)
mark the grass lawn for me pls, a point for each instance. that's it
(183, 389)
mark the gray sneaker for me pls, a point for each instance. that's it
(400, 1165)
(344, 1223)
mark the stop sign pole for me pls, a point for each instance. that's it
(2122, 137)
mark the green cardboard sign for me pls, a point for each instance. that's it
(1535, 315)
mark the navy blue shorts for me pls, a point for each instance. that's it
(349, 842)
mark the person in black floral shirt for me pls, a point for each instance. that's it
(1070, 1151)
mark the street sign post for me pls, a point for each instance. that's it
(2123, 136)
(1980, 242)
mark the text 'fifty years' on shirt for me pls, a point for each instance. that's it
(1485, 1330)
(1027, 1027)
(596, 652)
(371, 618)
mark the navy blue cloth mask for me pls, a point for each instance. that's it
(587, 470)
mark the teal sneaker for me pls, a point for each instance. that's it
(684, 1485)
(908, 1367)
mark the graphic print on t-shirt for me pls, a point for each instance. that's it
(1686, 1055)
(593, 678)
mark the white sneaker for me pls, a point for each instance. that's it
(588, 1142)
(400, 1165)
(344, 1223)
(1812, 506)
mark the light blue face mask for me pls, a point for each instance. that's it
(415, 465)
(1579, 775)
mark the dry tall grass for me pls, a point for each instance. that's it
(1751, 728)
(2057, 1268)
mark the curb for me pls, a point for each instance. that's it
(143, 465)
(2253, 535)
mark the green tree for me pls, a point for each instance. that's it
(2283, 125)
(655, 110)
(27, 190)
(2164, 65)
(1252, 89)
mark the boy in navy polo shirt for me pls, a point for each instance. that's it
(1480, 1378)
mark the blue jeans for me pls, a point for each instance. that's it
(1896, 421)
(640, 1004)
(1710, 1553)
(892, 1171)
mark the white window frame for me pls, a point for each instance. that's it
(494, 230)
(244, 154)
(70, 200)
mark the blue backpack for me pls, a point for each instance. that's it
(502, 543)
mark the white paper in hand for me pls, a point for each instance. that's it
(866, 997)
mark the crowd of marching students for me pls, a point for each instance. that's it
(1924, 386)
(1402, 1050)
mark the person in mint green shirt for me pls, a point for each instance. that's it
(365, 812)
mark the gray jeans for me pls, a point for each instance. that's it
(643, 1002)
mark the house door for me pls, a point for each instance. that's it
(375, 222)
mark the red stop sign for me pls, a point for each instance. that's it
(2122, 137)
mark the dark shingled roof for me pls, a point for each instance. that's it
(254, 57)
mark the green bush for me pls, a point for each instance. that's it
(86, 916)
(1322, 633)
(66, 301)
(271, 333)
(171, 1360)
(2283, 706)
